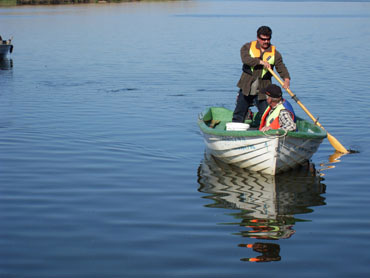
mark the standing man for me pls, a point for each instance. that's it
(257, 57)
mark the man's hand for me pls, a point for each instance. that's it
(265, 128)
(286, 84)
(265, 64)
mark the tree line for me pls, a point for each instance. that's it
(57, 2)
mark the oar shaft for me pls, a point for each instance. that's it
(296, 99)
(333, 141)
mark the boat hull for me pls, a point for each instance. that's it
(269, 153)
(5, 49)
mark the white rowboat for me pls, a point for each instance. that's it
(270, 152)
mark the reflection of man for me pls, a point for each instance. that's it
(267, 228)
(270, 252)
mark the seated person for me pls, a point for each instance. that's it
(279, 114)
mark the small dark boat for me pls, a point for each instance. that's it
(6, 47)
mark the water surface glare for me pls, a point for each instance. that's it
(103, 170)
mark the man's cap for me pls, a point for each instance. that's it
(272, 90)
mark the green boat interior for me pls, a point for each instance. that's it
(214, 120)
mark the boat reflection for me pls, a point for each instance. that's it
(266, 205)
(6, 64)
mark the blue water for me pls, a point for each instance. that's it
(103, 171)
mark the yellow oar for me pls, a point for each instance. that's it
(333, 141)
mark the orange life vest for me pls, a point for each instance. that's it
(273, 121)
(267, 56)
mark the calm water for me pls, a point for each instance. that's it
(102, 166)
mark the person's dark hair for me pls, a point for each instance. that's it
(264, 31)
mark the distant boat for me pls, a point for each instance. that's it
(6, 47)
(271, 152)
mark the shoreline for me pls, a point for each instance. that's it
(63, 2)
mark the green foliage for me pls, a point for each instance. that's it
(52, 2)
(57, 2)
(8, 2)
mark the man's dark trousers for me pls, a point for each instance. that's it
(243, 103)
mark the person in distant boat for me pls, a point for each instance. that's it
(258, 56)
(279, 114)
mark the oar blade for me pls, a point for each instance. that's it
(336, 144)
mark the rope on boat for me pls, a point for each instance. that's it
(277, 136)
